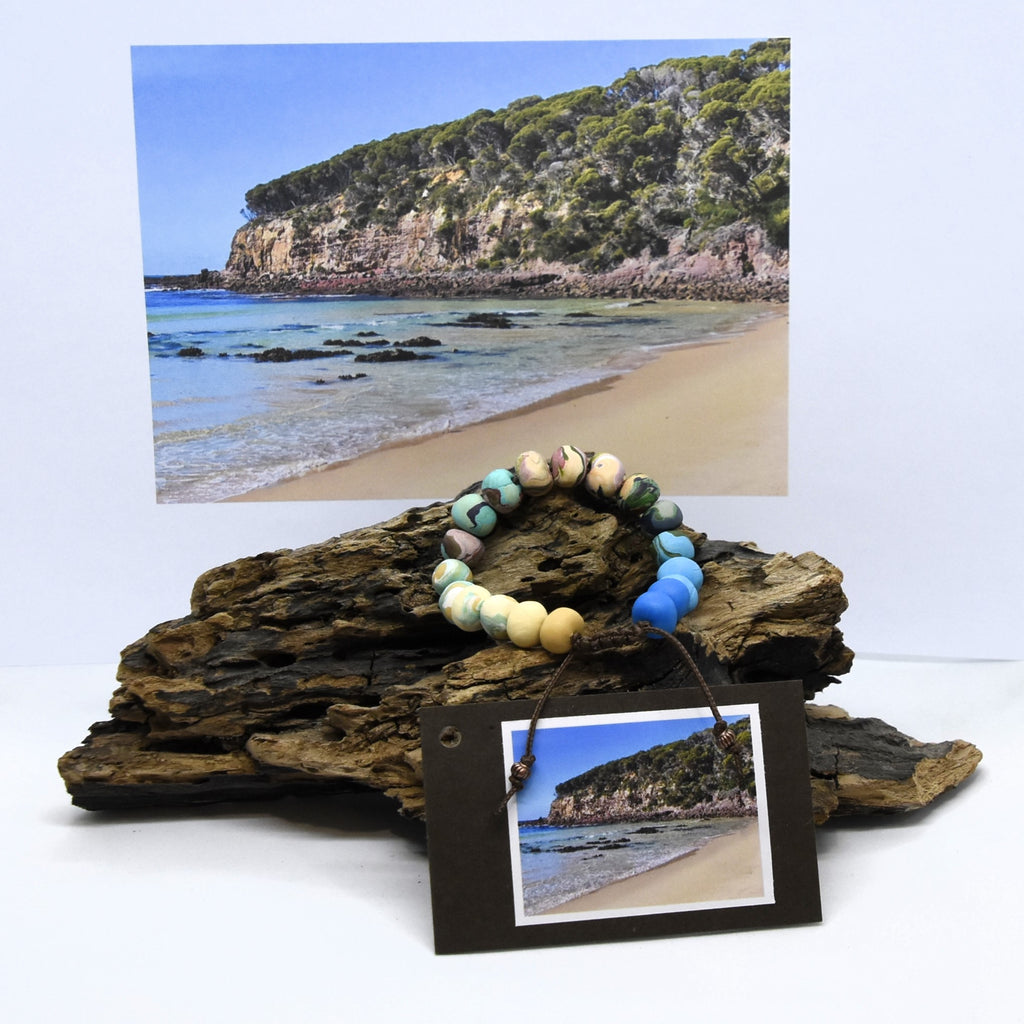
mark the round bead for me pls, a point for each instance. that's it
(556, 631)
(472, 514)
(638, 493)
(680, 566)
(656, 608)
(448, 596)
(680, 589)
(463, 546)
(494, 614)
(568, 466)
(465, 607)
(670, 543)
(501, 491)
(605, 476)
(448, 571)
(534, 473)
(662, 515)
(524, 622)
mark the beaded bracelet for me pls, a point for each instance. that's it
(471, 607)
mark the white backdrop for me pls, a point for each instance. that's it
(906, 428)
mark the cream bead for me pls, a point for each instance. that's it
(534, 473)
(556, 631)
(448, 597)
(524, 622)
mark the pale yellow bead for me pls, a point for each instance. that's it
(557, 630)
(524, 622)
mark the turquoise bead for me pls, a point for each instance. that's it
(662, 515)
(680, 589)
(656, 608)
(501, 491)
(472, 514)
(680, 566)
(670, 543)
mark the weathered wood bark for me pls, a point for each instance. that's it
(305, 669)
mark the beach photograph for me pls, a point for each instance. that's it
(638, 814)
(354, 281)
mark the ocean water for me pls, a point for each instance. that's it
(558, 864)
(225, 424)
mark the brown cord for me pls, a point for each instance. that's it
(610, 639)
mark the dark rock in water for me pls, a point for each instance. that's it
(284, 355)
(422, 341)
(393, 355)
(582, 313)
(498, 320)
(191, 352)
(351, 376)
(366, 334)
(336, 341)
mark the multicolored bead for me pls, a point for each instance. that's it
(464, 607)
(670, 543)
(605, 476)
(494, 613)
(568, 466)
(463, 546)
(472, 514)
(501, 491)
(638, 493)
(662, 515)
(534, 473)
(450, 571)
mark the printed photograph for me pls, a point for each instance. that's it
(638, 814)
(366, 264)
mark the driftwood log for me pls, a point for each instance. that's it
(304, 670)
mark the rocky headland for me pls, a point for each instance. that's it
(671, 182)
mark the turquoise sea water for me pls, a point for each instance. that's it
(224, 424)
(558, 864)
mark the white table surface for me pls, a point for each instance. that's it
(319, 909)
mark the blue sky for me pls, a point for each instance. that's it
(564, 752)
(212, 121)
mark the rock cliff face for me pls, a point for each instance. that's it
(690, 778)
(735, 262)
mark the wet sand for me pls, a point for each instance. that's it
(728, 867)
(703, 419)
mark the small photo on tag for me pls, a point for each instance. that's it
(632, 821)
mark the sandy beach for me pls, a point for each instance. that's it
(728, 867)
(704, 419)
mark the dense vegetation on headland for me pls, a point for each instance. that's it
(669, 163)
(688, 778)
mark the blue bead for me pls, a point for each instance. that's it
(671, 543)
(657, 609)
(680, 589)
(680, 566)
